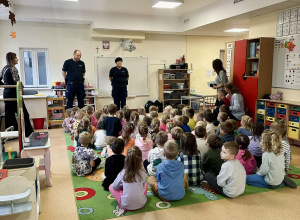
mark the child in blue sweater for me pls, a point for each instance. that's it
(169, 182)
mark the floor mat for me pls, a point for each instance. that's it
(95, 203)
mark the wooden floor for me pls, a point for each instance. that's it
(58, 202)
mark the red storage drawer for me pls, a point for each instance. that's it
(281, 116)
(268, 123)
(293, 113)
(271, 104)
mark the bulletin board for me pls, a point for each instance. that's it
(138, 84)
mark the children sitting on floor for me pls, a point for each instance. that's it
(98, 114)
(178, 121)
(222, 117)
(191, 159)
(235, 126)
(164, 120)
(115, 163)
(169, 183)
(130, 187)
(212, 161)
(84, 159)
(144, 142)
(231, 180)
(221, 100)
(208, 118)
(84, 125)
(173, 113)
(142, 113)
(90, 111)
(226, 132)
(78, 116)
(190, 114)
(246, 125)
(100, 136)
(170, 126)
(155, 123)
(66, 122)
(134, 120)
(156, 155)
(111, 123)
(120, 115)
(200, 134)
(244, 156)
(177, 132)
(127, 114)
(185, 121)
(126, 136)
(255, 139)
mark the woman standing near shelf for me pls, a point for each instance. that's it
(221, 77)
(10, 76)
(236, 102)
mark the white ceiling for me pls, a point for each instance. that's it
(141, 7)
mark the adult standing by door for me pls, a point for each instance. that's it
(10, 76)
(119, 77)
(221, 77)
(74, 71)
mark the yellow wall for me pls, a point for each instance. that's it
(201, 51)
(265, 26)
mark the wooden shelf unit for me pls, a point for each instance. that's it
(161, 81)
(88, 100)
(55, 106)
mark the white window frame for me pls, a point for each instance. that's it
(35, 73)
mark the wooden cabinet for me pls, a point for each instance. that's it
(172, 84)
(252, 72)
(55, 110)
(90, 96)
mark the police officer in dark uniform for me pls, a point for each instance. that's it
(74, 71)
(10, 76)
(119, 77)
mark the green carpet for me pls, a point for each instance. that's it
(95, 203)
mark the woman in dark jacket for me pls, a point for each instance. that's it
(10, 76)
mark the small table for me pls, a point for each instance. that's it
(38, 151)
(210, 99)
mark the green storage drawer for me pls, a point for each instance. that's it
(260, 103)
(295, 108)
(261, 117)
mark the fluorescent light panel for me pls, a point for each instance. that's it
(167, 4)
(237, 30)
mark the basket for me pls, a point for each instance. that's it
(180, 85)
(172, 76)
(175, 95)
(167, 95)
(166, 75)
(167, 86)
(36, 141)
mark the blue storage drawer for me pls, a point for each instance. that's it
(281, 111)
(267, 127)
(261, 107)
(271, 110)
(259, 121)
(293, 118)
(271, 114)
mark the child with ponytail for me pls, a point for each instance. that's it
(244, 155)
(246, 126)
(144, 142)
(129, 141)
(134, 120)
(130, 187)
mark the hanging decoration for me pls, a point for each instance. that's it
(11, 17)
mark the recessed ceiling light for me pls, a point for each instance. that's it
(70, 0)
(167, 3)
(237, 30)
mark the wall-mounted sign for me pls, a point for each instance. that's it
(105, 45)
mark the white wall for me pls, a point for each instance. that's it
(63, 39)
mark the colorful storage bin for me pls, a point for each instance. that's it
(281, 111)
(262, 117)
(294, 124)
(281, 116)
(295, 108)
(260, 121)
(271, 104)
(271, 110)
(281, 106)
(293, 133)
(260, 111)
(260, 103)
(293, 118)
(293, 113)
(261, 107)
(267, 127)
(270, 119)
(268, 123)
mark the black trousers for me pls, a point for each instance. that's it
(212, 181)
(11, 108)
(97, 163)
(119, 94)
(75, 89)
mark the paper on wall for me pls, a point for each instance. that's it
(208, 73)
(292, 77)
(292, 61)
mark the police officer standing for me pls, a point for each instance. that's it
(119, 77)
(74, 71)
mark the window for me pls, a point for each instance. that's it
(34, 66)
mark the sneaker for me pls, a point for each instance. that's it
(290, 183)
(206, 185)
(102, 164)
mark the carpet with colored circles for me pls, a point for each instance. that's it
(95, 203)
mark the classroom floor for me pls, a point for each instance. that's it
(58, 202)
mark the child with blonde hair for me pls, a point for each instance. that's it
(246, 125)
(164, 120)
(153, 114)
(105, 109)
(120, 115)
(244, 155)
(151, 109)
(78, 116)
(90, 111)
(134, 120)
(271, 172)
(66, 122)
(98, 114)
(144, 142)
(191, 159)
(170, 126)
(173, 113)
(84, 159)
(126, 136)
(168, 109)
(178, 121)
(84, 125)
(100, 136)
(177, 132)
(73, 120)
(280, 128)
(200, 116)
(222, 117)
(142, 113)
(130, 187)
(155, 123)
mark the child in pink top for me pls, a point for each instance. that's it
(170, 125)
(144, 142)
(66, 122)
(244, 156)
(90, 112)
(164, 120)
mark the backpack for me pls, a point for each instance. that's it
(159, 105)
(147, 105)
